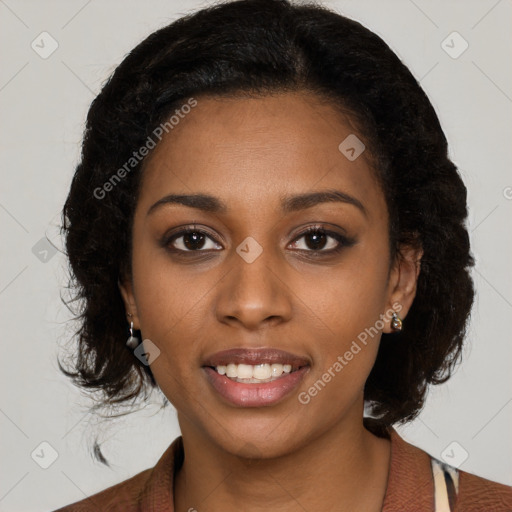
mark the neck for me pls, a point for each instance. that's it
(345, 468)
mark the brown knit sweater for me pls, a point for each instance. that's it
(410, 486)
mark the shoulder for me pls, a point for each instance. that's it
(146, 490)
(423, 482)
(479, 494)
(125, 496)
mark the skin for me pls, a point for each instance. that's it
(248, 152)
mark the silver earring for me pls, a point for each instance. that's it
(396, 322)
(133, 341)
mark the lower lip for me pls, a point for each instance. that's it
(255, 395)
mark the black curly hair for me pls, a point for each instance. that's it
(258, 47)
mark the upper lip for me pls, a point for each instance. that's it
(255, 356)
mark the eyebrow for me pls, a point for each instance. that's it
(289, 204)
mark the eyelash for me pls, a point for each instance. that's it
(342, 240)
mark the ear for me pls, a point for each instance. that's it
(126, 288)
(403, 282)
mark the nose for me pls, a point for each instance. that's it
(254, 295)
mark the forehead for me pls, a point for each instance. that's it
(252, 151)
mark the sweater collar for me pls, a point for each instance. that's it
(410, 484)
(409, 487)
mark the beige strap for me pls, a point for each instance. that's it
(440, 472)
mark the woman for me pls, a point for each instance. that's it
(265, 203)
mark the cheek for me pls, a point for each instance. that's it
(166, 295)
(351, 300)
(351, 296)
(346, 353)
(168, 305)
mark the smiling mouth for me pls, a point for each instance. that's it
(255, 374)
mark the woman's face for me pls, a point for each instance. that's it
(251, 278)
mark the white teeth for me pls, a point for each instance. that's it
(277, 370)
(253, 373)
(244, 371)
(231, 370)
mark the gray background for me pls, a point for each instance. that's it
(43, 103)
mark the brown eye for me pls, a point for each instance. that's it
(321, 241)
(191, 240)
